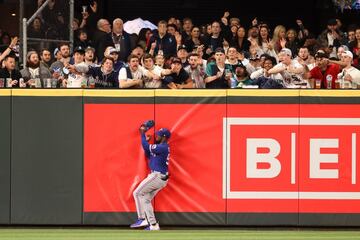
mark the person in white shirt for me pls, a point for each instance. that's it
(152, 73)
(291, 70)
(131, 75)
(349, 74)
(77, 79)
(269, 63)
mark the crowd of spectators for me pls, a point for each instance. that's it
(179, 54)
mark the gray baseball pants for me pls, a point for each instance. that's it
(145, 192)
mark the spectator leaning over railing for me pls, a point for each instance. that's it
(269, 63)
(103, 76)
(196, 70)
(323, 72)
(131, 76)
(176, 76)
(76, 79)
(152, 73)
(291, 71)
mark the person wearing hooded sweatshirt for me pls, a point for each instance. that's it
(34, 69)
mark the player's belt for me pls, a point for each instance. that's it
(163, 176)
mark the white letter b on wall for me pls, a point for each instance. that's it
(253, 158)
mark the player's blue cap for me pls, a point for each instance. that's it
(163, 132)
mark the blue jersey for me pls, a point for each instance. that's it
(158, 155)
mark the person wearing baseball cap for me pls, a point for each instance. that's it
(114, 53)
(182, 53)
(57, 54)
(90, 56)
(324, 71)
(349, 73)
(291, 70)
(79, 49)
(177, 77)
(159, 156)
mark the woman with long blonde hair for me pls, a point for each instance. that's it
(279, 38)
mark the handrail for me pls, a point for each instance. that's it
(26, 22)
(38, 11)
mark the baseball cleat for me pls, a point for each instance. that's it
(140, 223)
(154, 227)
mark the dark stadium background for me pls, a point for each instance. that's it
(314, 12)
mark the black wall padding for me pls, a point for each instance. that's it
(5, 126)
(46, 172)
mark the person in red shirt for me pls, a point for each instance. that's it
(324, 71)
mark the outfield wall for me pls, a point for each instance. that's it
(238, 157)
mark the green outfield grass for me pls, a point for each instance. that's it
(176, 234)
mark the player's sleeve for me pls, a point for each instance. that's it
(158, 149)
(145, 145)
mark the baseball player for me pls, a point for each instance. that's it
(158, 155)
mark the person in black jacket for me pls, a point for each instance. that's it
(165, 43)
(120, 39)
(105, 76)
(101, 39)
(9, 71)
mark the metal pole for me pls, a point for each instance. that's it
(24, 29)
(71, 19)
(21, 15)
(37, 12)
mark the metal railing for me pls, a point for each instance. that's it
(26, 22)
